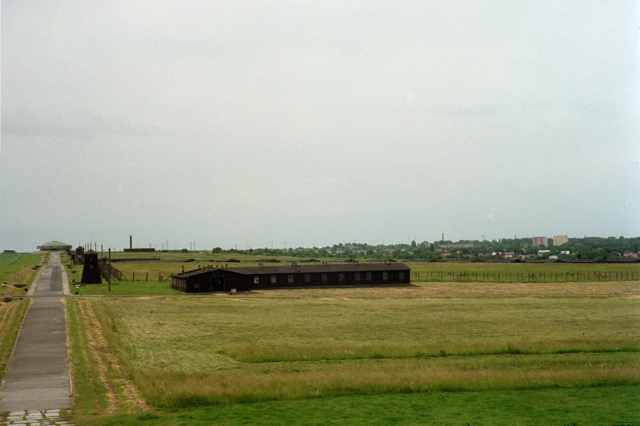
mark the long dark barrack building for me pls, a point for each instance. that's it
(225, 279)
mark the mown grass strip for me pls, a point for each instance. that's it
(101, 385)
(337, 352)
(581, 406)
(8, 259)
(89, 391)
(129, 288)
(287, 381)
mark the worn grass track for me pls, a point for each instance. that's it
(100, 383)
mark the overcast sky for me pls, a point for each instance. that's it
(308, 123)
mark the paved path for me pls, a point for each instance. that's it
(37, 379)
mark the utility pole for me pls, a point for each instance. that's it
(109, 269)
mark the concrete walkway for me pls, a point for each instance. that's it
(38, 378)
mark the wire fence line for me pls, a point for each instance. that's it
(526, 276)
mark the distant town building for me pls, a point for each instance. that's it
(559, 240)
(539, 241)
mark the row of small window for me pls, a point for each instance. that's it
(324, 277)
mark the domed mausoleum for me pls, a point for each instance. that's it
(54, 246)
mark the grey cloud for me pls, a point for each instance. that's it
(240, 122)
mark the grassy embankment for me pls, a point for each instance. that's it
(19, 269)
(392, 350)
(11, 316)
(14, 269)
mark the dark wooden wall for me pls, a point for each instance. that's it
(224, 280)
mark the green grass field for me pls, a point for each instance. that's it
(173, 360)
(18, 269)
(579, 406)
(128, 288)
(9, 258)
(523, 272)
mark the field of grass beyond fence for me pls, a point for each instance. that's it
(143, 271)
(163, 356)
(523, 271)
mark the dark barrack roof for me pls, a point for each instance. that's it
(293, 269)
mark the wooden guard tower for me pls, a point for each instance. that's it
(91, 270)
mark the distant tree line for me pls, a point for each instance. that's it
(594, 248)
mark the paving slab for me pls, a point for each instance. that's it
(34, 418)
